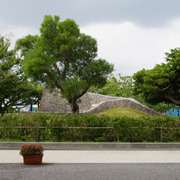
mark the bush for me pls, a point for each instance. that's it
(31, 149)
(125, 129)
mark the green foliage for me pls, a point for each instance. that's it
(33, 95)
(125, 129)
(7, 59)
(116, 86)
(61, 57)
(160, 84)
(12, 82)
(14, 86)
(162, 106)
(72, 85)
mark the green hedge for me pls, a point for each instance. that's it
(121, 128)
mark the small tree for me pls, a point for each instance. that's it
(63, 58)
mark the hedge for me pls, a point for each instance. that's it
(59, 128)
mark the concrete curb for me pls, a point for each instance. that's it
(90, 146)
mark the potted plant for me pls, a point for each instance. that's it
(32, 153)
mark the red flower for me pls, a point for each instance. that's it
(31, 149)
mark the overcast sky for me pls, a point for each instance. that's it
(131, 34)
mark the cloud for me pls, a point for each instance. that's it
(149, 13)
(131, 47)
(15, 32)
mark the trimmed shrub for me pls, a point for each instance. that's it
(45, 127)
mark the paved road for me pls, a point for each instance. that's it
(125, 171)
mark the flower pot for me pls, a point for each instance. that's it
(33, 159)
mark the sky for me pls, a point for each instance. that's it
(131, 34)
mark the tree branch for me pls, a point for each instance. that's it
(164, 88)
(82, 93)
(22, 79)
(58, 86)
(57, 69)
(55, 81)
(175, 101)
(5, 78)
(66, 66)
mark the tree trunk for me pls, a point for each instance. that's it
(38, 104)
(31, 108)
(74, 107)
(1, 111)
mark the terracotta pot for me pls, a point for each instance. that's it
(33, 159)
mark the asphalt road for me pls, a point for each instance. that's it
(111, 171)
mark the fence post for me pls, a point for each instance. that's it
(161, 133)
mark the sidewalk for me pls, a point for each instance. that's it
(76, 156)
(96, 152)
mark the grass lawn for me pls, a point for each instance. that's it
(123, 112)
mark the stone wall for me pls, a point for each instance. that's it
(53, 103)
(98, 98)
(90, 103)
(119, 102)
